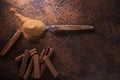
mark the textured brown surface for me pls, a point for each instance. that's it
(82, 55)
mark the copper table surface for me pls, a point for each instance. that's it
(79, 55)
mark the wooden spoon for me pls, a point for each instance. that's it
(34, 29)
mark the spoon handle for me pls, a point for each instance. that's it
(69, 27)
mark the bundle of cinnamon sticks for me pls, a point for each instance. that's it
(33, 63)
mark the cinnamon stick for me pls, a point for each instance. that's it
(48, 52)
(40, 58)
(42, 54)
(36, 66)
(30, 66)
(45, 53)
(11, 42)
(50, 66)
(43, 65)
(24, 63)
(19, 58)
(32, 50)
(29, 69)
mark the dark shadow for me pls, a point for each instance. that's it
(71, 33)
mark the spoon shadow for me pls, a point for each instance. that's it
(72, 32)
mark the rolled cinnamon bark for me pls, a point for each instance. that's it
(50, 66)
(32, 50)
(36, 66)
(29, 69)
(48, 51)
(24, 63)
(11, 42)
(43, 65)
(45, 53)
(19, 58)
(40, 58)
(41, 54)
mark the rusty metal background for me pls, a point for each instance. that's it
(85, 55)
